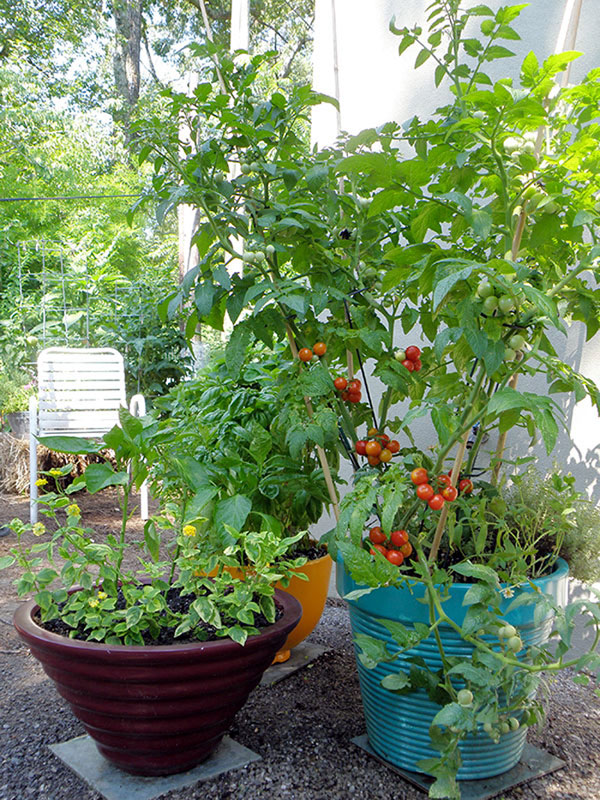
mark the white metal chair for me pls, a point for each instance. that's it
(80, 392)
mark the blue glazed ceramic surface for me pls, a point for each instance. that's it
(398, 726)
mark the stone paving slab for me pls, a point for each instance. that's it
(82, 756)
(534, 764)
(301, 656)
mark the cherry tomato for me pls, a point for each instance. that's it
(450, 493)
(395, 557)
(385, 455)
(354, 397)
(399, 538)
(393, 446)
(444, 480)
(305, 354)
(409, 365)
(436, 502)
(345, 396)
(376, 535)
(340, 383)
(417, 365)
(361, 447)
(319, 348)
(373, 448)
(384, 439)
(380, 548)
(412, 353)
(419, 475)
(354, 386)
(425, 491)
(465, 486)
(406, 549)
(372, 432)
(373, 460)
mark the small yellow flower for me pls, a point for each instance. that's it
(39, 529)
(189, 530)
(73, 510)
(102, 595)
(56, 473)
(41, 482)
(93, 602)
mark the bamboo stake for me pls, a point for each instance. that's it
(444, 512)
(320, 452)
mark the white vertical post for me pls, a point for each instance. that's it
(240, 25)
(33, 473)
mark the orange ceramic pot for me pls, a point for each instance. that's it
(312, 595)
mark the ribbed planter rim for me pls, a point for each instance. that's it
(24, 622)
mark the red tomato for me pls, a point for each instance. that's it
(384, 439)
(436, 502)
(340, 383)
(465, 486)
(373, 448)
(354, 397)
(361, 447)
(380, 548)
(319, 348)
(354, 386)
(412, 353)
(385, 455)
(450, 493)
(406, 549)
(305, 354)
(345, 396)
(395, 557)
(393, 446)
(444, 480)
(417, 365)
(409, 365)
(425, 491)
(419, 475)
(399, 538)
(376, 535)
(373, 460)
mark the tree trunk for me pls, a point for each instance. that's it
(126, 60)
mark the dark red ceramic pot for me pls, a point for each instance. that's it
(156, 710)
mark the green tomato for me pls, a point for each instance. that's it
(400, 355)
(245, 169)
(490, 304)
(510, 354)
(551, 207)
(514, 724)
(485, 289)
(515, 644)
(507, 631)
(506, 304)
(249, 256)
(270, 250)
(488, 727)
(516, 342)
(259, 256)
(512, 144)
(255, 166)
(504, 727)
(465, 698)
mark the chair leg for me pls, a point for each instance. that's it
(144, 501)
(33, 489)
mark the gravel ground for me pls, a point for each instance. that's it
(301, 727)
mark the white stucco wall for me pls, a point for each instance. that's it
(375, 85)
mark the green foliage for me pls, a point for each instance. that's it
(225, 581)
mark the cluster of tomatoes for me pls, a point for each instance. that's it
(409, 358)
(395, 549)
(349, 390)
(378, 447)
(319, 349)
(444, 491)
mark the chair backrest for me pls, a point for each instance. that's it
(80, 390)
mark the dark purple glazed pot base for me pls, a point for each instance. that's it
(156, 710)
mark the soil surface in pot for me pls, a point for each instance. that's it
(301, 726)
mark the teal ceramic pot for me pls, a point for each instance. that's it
(398, 725)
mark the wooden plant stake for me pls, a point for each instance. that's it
(444, 512)
(320, 452)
